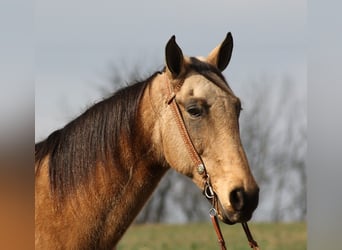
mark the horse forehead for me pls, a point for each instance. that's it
(201, 87)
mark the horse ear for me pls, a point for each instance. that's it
(220, 56)
(174, 58)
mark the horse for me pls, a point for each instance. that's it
(94, 175)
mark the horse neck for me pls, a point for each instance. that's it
(129, 188)
(98, 212)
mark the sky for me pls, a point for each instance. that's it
(76, 42)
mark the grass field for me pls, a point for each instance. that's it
(199, 236)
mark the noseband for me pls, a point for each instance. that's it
(208, 191)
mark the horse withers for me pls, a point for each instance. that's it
(94, 175)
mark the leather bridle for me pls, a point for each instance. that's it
(201, 169)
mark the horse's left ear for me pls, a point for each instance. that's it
(174, 58)
(220, 56)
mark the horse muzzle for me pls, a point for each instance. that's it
(241, 206)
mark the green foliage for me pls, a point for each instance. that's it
(201, 236)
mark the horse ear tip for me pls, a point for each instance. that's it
(172, 39)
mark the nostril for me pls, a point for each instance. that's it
(237, 199)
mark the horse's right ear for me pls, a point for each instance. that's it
(220, 56)
(174, 58)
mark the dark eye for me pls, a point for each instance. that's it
(194, 111)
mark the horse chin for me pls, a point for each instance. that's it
(232, 218)
(225, 220)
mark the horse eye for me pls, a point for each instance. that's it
(194, 111)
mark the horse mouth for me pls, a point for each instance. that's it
(238, 208)
(232, 217)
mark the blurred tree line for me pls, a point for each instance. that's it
(274, 135)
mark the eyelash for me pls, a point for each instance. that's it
(194, 111)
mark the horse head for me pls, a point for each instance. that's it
(210, 112)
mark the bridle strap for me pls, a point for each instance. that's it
(171, 101)
(218, 232)
(252, 243)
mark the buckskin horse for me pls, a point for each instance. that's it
(93, 176)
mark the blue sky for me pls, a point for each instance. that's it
(77, 41)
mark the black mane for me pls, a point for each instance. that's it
(92, 137)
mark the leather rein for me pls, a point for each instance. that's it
(208, 191)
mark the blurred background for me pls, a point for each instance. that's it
(71, 50)
(85, 50)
